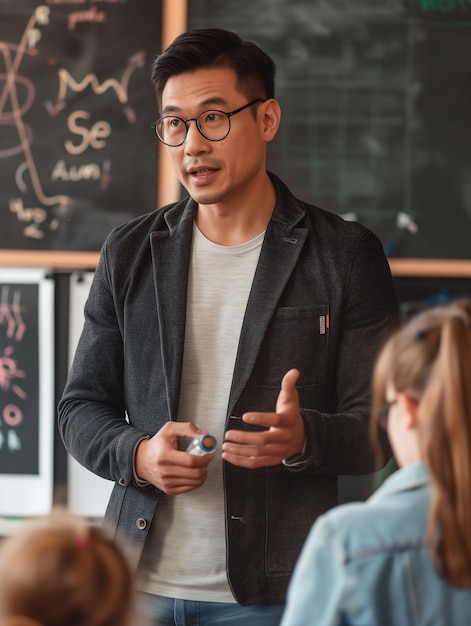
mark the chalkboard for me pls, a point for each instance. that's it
(77, 152)
(26, 391)
(376, 100)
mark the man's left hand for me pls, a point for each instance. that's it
(284, 437)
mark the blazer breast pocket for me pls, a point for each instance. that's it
(296, 337)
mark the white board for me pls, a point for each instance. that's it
(87, 493)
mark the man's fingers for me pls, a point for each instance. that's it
(179, 429)
(288, 393)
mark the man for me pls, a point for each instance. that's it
(239, 311)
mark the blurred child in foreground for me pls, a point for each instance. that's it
(60, 571)
(404, 556)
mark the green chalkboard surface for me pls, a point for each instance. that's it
(77, 151)
(376, 99)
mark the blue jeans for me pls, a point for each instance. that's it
(159, 611)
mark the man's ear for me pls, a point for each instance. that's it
(271, 118)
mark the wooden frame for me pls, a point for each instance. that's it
(174, 17)
(88, 260)
(434, 268)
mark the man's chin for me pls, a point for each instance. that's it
(202, 197)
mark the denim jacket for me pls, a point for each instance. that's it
(367, 564)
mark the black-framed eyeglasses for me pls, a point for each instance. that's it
(214, 125)
(384, 412)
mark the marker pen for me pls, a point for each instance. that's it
(205, 444)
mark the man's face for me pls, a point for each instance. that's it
(216, 172)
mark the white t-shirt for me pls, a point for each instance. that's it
(185, 553)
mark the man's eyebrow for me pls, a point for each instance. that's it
(204, 104)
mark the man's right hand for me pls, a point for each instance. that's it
(158, 460)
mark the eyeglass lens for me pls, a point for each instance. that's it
(214, 125)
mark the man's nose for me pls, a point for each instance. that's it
(194, 140)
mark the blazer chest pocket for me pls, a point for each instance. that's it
(296, 337)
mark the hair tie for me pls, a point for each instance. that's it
(83, 541)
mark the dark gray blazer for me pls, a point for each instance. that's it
(322, 301)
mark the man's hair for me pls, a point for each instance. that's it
(215, 48)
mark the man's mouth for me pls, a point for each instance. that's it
(200, 170)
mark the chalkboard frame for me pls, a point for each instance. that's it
(89, 260)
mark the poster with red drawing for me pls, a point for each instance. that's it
(26, 391)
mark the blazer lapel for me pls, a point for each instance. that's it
(281, 249)
(171, 252)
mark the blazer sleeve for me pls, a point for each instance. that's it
(91, 413)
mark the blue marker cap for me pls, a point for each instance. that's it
(207, 443)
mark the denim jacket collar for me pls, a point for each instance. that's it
(410, 477)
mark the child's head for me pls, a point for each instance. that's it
(60, 571)
(423, 379)
(429, 360)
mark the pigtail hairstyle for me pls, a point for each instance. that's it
(445, 438)
(429, 359)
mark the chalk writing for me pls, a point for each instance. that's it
(12, 440)
(36, 214)
(11, 314)
(90, 171)
(12, 415)
(93, 137)
(9, 372)
(12, 63)
(120, 87)
(44, 199)
(92, 15)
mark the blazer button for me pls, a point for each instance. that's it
(122, 482)
(141, 523)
